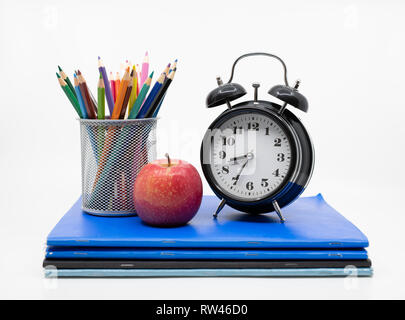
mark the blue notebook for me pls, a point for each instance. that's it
(310, 223)
(306, 272)
(200, 253)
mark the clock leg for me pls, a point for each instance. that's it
(220, 207)
(278, 210)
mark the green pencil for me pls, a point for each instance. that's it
(100, 99)
(141, 97)
(67, 80)
(72, 98)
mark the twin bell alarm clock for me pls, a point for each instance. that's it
(257, 156)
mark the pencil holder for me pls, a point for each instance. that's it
(113, 152)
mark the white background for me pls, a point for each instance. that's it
(348, 54)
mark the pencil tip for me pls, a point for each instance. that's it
(99, 58)
(78, 72)
(74, 75)
(169, 65)
(151, 75)
(175, 60)
(60, 69)
(146, 53)
(57, 74)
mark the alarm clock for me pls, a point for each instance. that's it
(257, 156)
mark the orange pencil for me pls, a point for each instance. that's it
(121, 95)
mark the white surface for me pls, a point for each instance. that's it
(348, 54)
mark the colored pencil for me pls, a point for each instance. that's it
(93, 101)
(138, 75)
(72, 98)
(86, 96)
(67, 80)
(101, 98)
(121, 95)
(155, 103)
(146, 105)
(145, 68)
(134, 93)
(142, 94)
(167, 69)
(127, 96)
(80, 98)
(174, 66)
(112, 83)
(108, 93)
(117, 83)
(155, 114)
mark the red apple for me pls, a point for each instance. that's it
(167, 192)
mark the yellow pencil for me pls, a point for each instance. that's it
(134, 93)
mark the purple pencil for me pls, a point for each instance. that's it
(108, 93)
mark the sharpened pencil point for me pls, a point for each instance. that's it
(78, 72)
(151, 75)
(99, 58)
(57, 74)
(146, 53)
(60, 69)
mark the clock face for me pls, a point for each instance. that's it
(250, 156)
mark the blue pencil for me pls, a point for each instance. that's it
(80, 98)
(146, 105)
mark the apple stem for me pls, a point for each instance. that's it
(168, 159)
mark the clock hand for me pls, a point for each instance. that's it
(238, 158)
(248, 155)
(240, 171)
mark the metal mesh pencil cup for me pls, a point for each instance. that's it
(112, 153)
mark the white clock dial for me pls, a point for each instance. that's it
(251, 156)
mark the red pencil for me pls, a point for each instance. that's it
(112, 85)
(117, 84)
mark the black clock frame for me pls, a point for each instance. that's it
(302, 158)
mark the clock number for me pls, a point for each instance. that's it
(237, 130)
(280, 157)
(225, 169)
(222, 154)
(276, 173)
(277, 142)
(265, 183)
(249, 185)
(267, 131)
(228, 141)
(236, 180)
(253, 126)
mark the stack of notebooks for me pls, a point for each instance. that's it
(315, 240)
